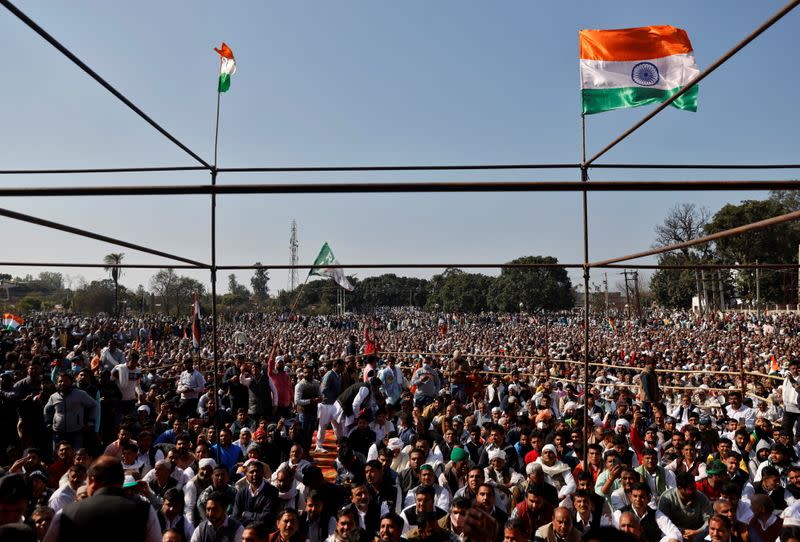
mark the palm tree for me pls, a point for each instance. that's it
(112, 262)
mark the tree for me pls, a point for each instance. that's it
(164, 284)
(684, 222)
(184, 293)
(674, 287)
(51, 281)
(776, 244)
(112, 262)
(237, 289)
(788, 199)
(547, 288)
(97, 296)
(259, 282)
(30, 303)
(457, 291)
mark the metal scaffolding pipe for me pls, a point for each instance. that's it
(67, 171)
(403, 187)
(96, 236)
(773, 266)
(788, 217)
(94, 75)
(324, 169)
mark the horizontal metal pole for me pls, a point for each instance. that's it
(761, 224)
(507, 265)
(775, 266)
(96, 236)
(323, 169)
(700, 76)
(94, 75)
(67, 171)
(404, 187)
(694, 166)
(90, 265)
(312, 169)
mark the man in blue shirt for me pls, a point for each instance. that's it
(225, 453)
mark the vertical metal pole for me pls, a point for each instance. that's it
(741, 363)
(705, 288)
(585, 178)
(636, 294)
(697, 288)
(758, 288)
(627, 292)
(214, 281)
(605, 284)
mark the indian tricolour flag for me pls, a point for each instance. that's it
(636, 66)
(227, 67)
(12, 321)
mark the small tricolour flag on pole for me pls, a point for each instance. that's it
(636, 66)
(323, 268)
(196, 323)
(227, 67)
(12, 322)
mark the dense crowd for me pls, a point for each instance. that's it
(443, 427)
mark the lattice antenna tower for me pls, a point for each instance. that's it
(293, 259)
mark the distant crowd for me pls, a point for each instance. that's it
(402, 425)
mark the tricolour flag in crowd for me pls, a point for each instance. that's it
(196, 323)
(636, 66)
(323, 268)
(227, 67)
(12, 322)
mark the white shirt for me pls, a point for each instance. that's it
(668, 529)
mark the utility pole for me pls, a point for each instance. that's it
(705, 289)
(758, 288)
(293, 259)
(721, 290)
(605, 285)
(636, 293)
(627, 291)
(697, 288)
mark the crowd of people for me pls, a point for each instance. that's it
(402, 424)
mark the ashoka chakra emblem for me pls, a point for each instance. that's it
(645, 74)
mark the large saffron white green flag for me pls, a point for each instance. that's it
(323, 268)
(227, 67)
(636, 66)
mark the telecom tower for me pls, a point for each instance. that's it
(293, 260)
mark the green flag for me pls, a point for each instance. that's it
(323, 268)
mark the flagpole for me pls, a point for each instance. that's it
(297, 297)
(584, 178)
(214, 274)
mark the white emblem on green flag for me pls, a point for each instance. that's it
(323, 267)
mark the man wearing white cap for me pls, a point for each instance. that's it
(505, 479)
(556, 472)
(196, 486)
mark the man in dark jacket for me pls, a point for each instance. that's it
(257, 500)
(110, 514)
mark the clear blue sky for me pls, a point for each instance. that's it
(369, 83)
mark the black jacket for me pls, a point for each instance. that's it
(109, 515)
